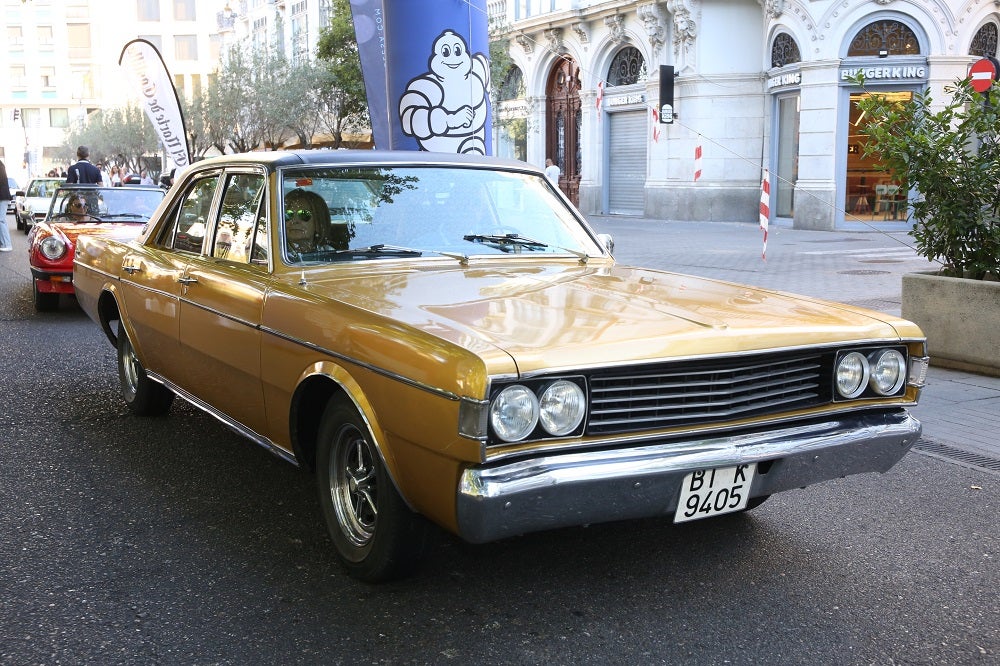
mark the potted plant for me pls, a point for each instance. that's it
(948, 159)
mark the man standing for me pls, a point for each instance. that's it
(83, 171)
(5, 244)
(552, 171)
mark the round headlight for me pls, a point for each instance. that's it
(52, 248)
(888, 369)
(561, 407)
(514, 413)
(852, 374)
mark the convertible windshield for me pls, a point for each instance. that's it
(363, 213)
(104, 204)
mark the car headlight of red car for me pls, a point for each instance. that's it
(52, 248)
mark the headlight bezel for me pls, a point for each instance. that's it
(868, 387)
(542, 427)
(53, 248)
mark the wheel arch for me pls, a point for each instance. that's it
(322, 383)
(108, 312)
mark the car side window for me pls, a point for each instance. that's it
(188, 231)
(237, 227)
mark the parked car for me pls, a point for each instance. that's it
(34, 205)
(13, 186)
(445, 338)
(112, 212)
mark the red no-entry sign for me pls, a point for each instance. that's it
(983, 73)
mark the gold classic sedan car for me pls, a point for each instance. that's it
(444, 340)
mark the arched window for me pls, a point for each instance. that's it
(985, 42)
(883, 38)
(784, 51)
(626, 67)
(513, 84)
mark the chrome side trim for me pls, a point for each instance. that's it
(227, 421)
(550, 491)
(111, 276)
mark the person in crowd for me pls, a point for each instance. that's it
(307, 223)
(116, 176)
(144, 178)
(5, 196)
(552, 170)
(83, 171)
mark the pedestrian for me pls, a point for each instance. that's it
(116, 176)
(552, 170)
(83, 171)
(144, 178)
(5, 242)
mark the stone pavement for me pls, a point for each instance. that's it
(960, 411)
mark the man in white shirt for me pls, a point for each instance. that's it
(552, 171)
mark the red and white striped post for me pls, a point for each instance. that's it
(765, 209)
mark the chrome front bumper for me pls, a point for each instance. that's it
(551, 491)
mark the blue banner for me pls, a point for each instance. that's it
(435, 74)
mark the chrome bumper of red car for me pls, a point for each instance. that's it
(552, 491)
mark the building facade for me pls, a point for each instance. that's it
(758, 85)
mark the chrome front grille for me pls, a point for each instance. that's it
(710, 391)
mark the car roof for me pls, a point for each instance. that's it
(287, 158)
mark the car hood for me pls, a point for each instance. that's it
(559, 316)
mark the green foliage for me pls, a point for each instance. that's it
(949, 156)
(340, 89)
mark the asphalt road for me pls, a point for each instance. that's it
(173, 541)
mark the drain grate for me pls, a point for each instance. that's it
(952, 454)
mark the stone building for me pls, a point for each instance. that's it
(757, 84)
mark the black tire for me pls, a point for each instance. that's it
(45, 301)
(376, 536)
(142, 395)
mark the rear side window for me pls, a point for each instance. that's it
(193, 217)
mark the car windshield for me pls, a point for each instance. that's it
(42, 188)
(117, 204)
(357, 213)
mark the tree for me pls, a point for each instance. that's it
(121, 135)
(340, 94)
(951, 158)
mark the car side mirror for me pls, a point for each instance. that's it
(19, 193)
(607, 241)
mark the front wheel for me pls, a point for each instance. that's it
(143, 396)
(376, 536)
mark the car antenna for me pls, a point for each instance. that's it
(302, 280)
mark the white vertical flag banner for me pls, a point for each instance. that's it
(148, 75)
(765, 209)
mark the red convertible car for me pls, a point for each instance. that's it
(117, 212)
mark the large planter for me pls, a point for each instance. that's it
(961, 319)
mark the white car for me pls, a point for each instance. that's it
(34, 205)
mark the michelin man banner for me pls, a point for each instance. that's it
(427, 73)
(149, 77)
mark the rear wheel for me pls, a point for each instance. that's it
(142, 395)
(376, 536)
(45, 301)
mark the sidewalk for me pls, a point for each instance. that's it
(960, 411)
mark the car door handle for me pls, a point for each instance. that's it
(131, 266)
(187, 279)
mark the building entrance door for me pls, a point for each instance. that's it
(562, 124)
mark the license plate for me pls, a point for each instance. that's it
(712, 492)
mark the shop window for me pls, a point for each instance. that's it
(884, 38)
(784, 51)
(626, 68)
(985, 42)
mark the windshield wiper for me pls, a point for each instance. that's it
(505, 242)
(380, 249)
